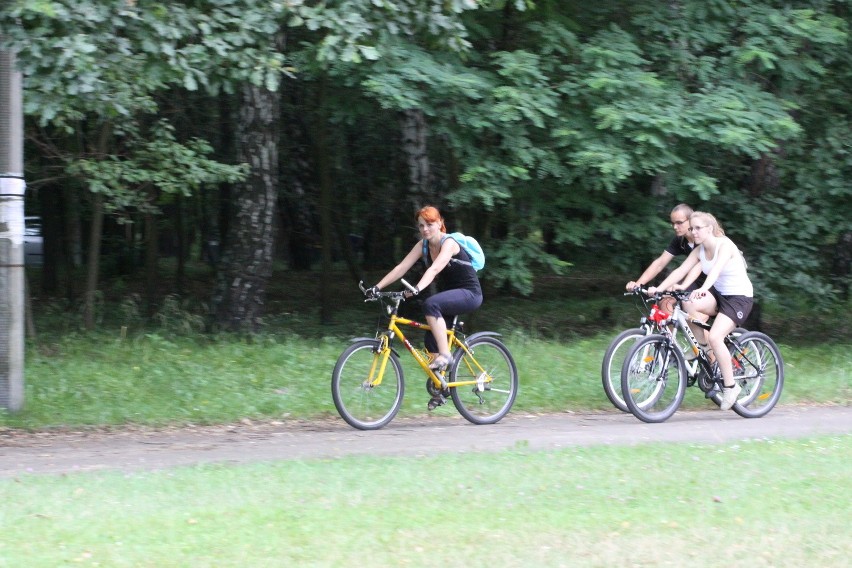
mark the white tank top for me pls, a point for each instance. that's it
(732, 280)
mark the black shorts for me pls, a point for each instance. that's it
(735, 307)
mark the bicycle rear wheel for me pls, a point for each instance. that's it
(613, 361)
(759, 370)
(653, 379)
(491, 365)
(360, 400)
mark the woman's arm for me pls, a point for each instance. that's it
(690, 278)
(678, 273)
(415, 254)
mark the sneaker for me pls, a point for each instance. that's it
(729, 396)
(435, 402)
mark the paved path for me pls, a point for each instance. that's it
(134, 450)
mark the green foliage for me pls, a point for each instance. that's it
(557, 118)
(357, 31)
(95, 69)
(590, 120)
(511, 265)
(108, 58)
(157, 161)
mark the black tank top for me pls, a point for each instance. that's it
(458, 274)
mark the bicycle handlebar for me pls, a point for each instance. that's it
(676, 294)
(378, 295)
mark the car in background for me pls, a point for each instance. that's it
(33, 242)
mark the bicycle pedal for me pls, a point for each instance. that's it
(435, 402)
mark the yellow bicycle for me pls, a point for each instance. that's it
(367, 383)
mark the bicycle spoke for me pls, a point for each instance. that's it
(653, 379)
(613, 361)
(759, 370)
(491, 367)
(364, 399)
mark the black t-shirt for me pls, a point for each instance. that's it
(679, 246)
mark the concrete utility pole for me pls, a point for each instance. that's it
(12, 188)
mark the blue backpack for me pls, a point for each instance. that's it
(470, 246)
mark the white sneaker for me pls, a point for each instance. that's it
(729, 396)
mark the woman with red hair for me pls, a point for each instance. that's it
(449, 264)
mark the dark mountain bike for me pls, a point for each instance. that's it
(655, 373)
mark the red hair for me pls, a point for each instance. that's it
(430, 215)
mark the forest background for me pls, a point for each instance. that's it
(251, 140)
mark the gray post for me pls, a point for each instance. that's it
(12, 188)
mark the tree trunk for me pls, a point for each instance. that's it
(151, 257)
(246, 264)
(325, 201)
(415, 134)
(50, 201)
(842, 263)
(297, 201)
(764, 175)
(72, 242)
(93, 261)
(183, 241)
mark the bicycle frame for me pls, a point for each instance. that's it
(368, 381)
(654, 320)
(681, 321)
(660, 321)
(656, 372)
(394, 330)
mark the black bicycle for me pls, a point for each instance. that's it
(655, 373)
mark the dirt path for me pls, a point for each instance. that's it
(139, 449)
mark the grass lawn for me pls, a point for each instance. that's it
(102, 380)
(760, 503)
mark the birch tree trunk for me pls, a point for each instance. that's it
(246, 266)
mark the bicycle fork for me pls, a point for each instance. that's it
(380, 361)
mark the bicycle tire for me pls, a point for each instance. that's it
(361, 405)
(486, 402)
(715, 383)
(759, 370)
(653, 379)
(613, 361)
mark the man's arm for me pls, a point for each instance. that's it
(651, 272)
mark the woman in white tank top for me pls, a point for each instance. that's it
(727, 292)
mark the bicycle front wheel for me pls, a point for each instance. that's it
(653, 379)
(759, 370)
(613, 361)
(491, 366)
(364, 399)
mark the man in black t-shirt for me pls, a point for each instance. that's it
(680, 245)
